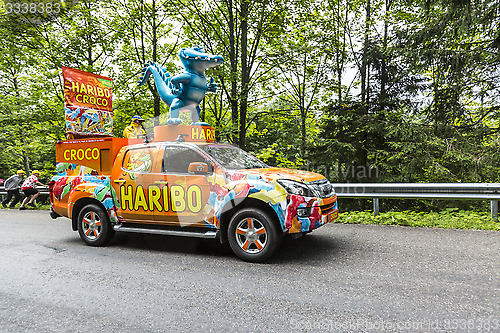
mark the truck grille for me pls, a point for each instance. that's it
(327, 208)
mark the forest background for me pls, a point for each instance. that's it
(359, 90)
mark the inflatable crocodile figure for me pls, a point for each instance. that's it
(184, 91)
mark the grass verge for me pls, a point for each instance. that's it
(450, 219)
(38, 207)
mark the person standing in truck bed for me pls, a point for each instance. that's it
(12, 187)
(134, 130)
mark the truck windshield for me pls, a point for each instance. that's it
(233, 158)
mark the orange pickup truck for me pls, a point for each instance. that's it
(184, 184)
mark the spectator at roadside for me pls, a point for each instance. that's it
(12, 187)
(29, 190)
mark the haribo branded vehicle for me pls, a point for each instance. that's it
(184, 184)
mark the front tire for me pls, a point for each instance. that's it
(94, 226)
(253, 235)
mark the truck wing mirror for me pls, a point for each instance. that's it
(200, 168)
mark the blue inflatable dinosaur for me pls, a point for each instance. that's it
(184, 91)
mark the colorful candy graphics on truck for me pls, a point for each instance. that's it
(145, 191)
(71, 177)
(88, 121)
(137, 161)
(263, 185)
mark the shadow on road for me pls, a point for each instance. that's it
(310, 249)
(162, 243)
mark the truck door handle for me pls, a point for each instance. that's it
(120, 181)
(162, 182)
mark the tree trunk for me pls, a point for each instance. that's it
(26, 161)
(155, 59)
(234, 70)
(364, 60)
(303, 134)
(340, 54)
(383, 70)
(245, 71)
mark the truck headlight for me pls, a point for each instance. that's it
(293, 187)
(304, 211)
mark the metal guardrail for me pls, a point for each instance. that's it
(376, 191)
(443, 191)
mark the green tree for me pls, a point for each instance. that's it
(300, 60)
(144, 31)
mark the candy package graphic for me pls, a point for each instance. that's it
(87, 103)
(88, 121)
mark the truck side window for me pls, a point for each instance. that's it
(138, 160)
(177, 159)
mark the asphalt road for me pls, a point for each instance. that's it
(342, 278)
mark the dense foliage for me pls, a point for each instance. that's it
(362, 91)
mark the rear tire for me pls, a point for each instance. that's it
(94, 226)
(253, 235)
